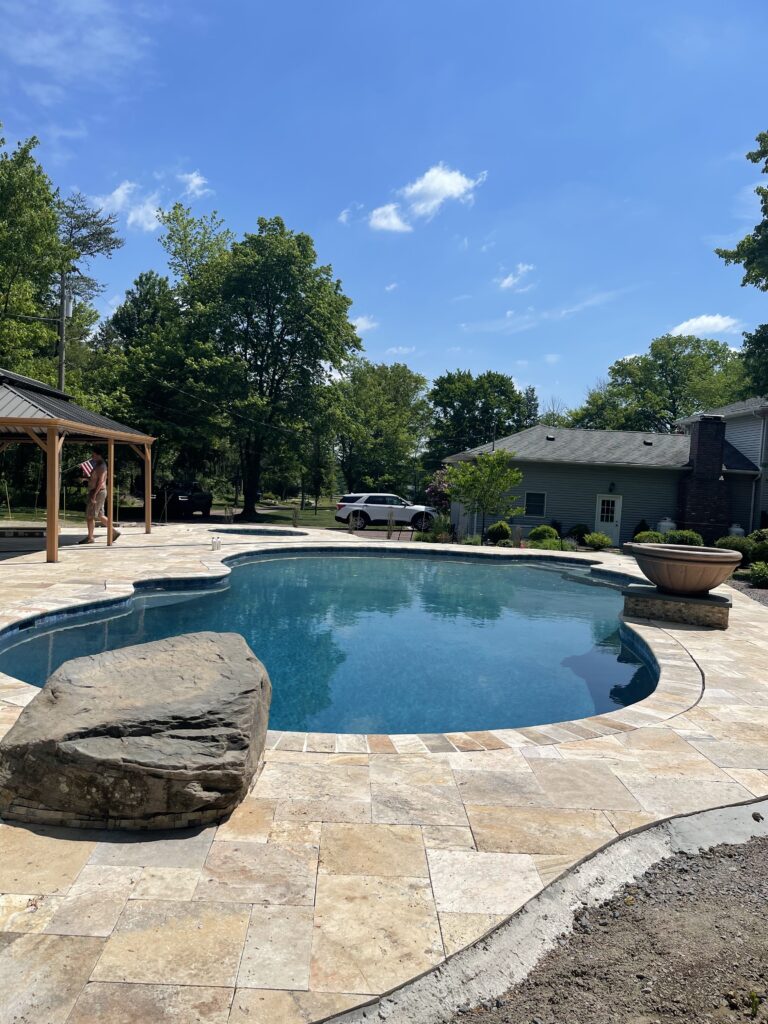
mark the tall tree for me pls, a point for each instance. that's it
(382, 420)
(278, 322)
(469, 411)
(678, 375)
(190, 242)
(752, 253)
(84, 232)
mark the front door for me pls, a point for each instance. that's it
(608, 516)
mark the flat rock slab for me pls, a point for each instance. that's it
(162, 735)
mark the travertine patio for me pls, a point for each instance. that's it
(357, 862)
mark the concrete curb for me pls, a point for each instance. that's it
(505, 956)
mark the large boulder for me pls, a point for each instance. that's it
(161, 735)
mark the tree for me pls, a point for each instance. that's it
(382, 420)
(555, 413)
(752, 251)
(278, 324)
(484, 485)
(679, 375)
(469, 411)
(190, 241)
(754, 351)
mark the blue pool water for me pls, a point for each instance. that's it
(380, 644)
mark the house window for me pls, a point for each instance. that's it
(535, 503)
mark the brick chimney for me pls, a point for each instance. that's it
(704, 502)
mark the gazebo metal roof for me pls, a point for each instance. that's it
(27, 404)
(32, 412)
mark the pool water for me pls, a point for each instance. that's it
(382, 644)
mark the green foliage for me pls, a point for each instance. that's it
(649, 537)
(505, 543)
(642, 527)
(743, 545)
(579, 532)
(754, 351)
(543, 533)
(688, 537)
(438, 533)
(598, 541)
(759, 536)
(474, 540)
(382, 417)
(192, 242)
(758, 575)
(469, 411)
(551, 544)
(676, 377)
(498, 531)
(484, 485)
(752, 251)
(760, 551)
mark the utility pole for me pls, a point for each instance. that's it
(65, 310)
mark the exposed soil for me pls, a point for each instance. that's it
(688, 942)
(756, 593)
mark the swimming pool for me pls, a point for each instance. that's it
(378, 644)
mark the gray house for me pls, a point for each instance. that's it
(706, 479)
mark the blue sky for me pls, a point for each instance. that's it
(500, 185)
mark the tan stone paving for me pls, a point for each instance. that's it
(356, 862)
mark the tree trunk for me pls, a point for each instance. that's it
(252, 457)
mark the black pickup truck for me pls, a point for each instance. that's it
(178, 501)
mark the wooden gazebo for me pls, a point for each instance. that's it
(35, 413)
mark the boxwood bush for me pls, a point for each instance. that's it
(648, 537)
(758, 575)
(543, 533)
(759, 536)
(598, 541)
(743, 545)
(505, 542)
(690, 537)
(499, 531)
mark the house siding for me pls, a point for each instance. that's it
(746, 434)
(649, 494)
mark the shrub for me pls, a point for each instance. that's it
(759, 536)
(758, 575)
(760, 551)
(642, 527)
(499, 531)
(689, 537)
(648, 537)
(741, 544)
(598, 541)
(543, 533)
(475, 540)
(567, 545)
(548, 544)
(557, 526)
(505, 542)
(438, 533)
(579, 532)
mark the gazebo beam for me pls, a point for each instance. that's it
(110, 491)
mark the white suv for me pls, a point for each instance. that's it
(360, 510)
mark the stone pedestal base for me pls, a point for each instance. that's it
(644, 601)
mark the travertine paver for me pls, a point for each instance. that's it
(356, 862)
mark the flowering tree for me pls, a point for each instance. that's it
(437, 492)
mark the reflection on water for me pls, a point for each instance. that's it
(377, 644)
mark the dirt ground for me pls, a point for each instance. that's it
(688, 942)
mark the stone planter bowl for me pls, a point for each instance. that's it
(679, 569)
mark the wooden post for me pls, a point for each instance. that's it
(147, 488)
(110, 490)
(52, 452)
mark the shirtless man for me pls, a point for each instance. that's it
(97, 495)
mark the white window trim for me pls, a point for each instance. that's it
(532, 515)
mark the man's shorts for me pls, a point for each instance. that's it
(95, 506)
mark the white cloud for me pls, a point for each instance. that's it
(513, 322)
(363, 324)
(552, 358)
(388, 218)
(521, 362)
(427, 194)
(708, 323)
(514, 278)
(118, 199)
(348, 213)
(400, 350)
(390, 287)
(66, 42)
(194, 185)
(143, 215)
